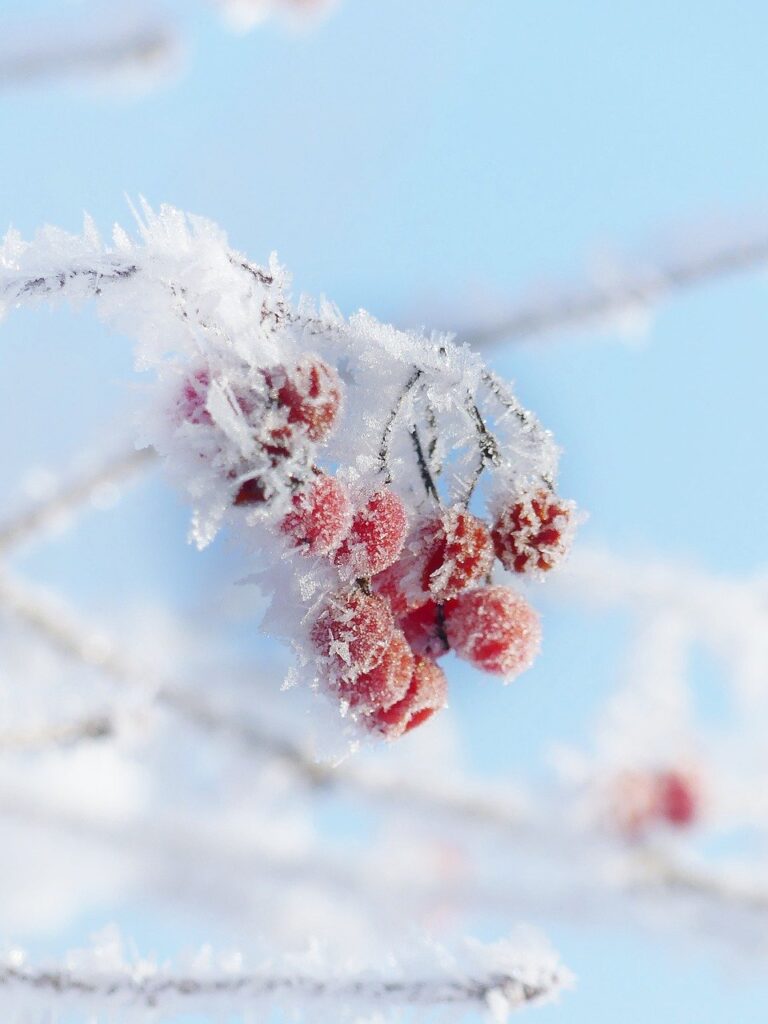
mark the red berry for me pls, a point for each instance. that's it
(676, 798)
(400, 584)
(311, 394)
(193, 398)
(427, 693)
(458, 553)
(384, 685)
(375, 538)
(533, 533)
(495, 629)
(319, 517)
(424, 630)
(250, 492)
(353, 632)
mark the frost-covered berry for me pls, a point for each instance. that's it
(250, 492)
(677, 799)
(458, 552)
(426, 694)
(384, 685)
(495, 629)
(424, 630)
(401, 584)
(320, 516)
(352, 632)
(193, 397)
(533, 533)
(310, 392)
(375, 538)
(640, 800)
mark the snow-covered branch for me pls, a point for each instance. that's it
(630, 292)
(496, 979)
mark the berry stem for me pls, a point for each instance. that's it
(526, 419)
(386, 437)
(487, 444)
(429, 484)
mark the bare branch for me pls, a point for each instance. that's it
(72, 496)
(643, 288)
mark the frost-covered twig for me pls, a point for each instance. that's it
(635, 290)
(658, 871)
(496, 978)
(63, 734)
(99, 51)
(71, 496)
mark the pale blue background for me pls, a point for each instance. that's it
(411, 150)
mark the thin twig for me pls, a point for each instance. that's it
(64, 734)
(138, 48)
(386, 437)
(641, 289)
(426, 476)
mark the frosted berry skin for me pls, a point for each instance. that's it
(424, 630)
(426, 694)
(250, 492)
(676, 798)
(310, 393)
(532, 533)
(384, 685)
(401, 584)
(319, 517)
(376, 536)
(191, 403)
(352, 633)
(495, 629)
(458, 552)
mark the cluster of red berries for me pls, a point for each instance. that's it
(642, 800)
(288, 408)
(406, 597)
(422, 594)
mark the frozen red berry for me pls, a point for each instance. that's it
(533, 533)
(457, 551)
(310, 392)
(425, 630)
(401, 584)
(250, 492)
(676, 798)
(193, 398)
(353, 632)
(375, 538)
(320, 516)
(640, 800)
(384, 685)
(426, 694)
(495, 629)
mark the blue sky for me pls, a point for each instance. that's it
(404, 154)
